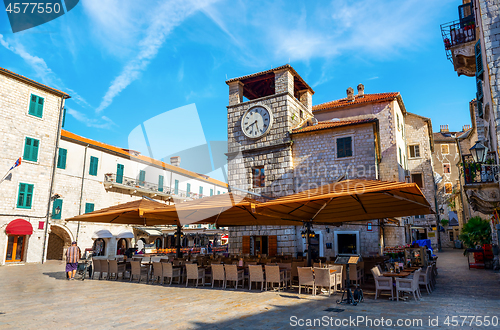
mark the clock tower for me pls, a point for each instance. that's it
(263, 108)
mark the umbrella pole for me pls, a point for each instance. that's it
(309, 252)
(178, 242)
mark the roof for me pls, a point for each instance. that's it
(129, 155)
(286, 66)
(35, 83)
(367, 98)
(450, 136)
(333, 124)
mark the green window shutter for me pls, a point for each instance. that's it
(479, 108)
(119, 173)
(160, 183)
(64, 117)
(188, 189)
(25, 196)
(94, 162)
(176, 187)
(201, 191)
(211, 192)
(142, 177)
(479, 86)
(218, 192)
(31, 149)
(479, 60)
(61, 158)
(36, 106)
(21, 195)
(57, 204)
(33, 106)
(39, 108)
(89, 207)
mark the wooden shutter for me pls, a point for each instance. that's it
(61, 158)
(64, 117)
(160, 183)
(176, 187)
(348, 146)
(39, 108)
(119, 173)
(32, 110)
(201, 191)
(89, 207)
(272, 245)
(94, 162)
(21, 195)
(142, 177)
(479, 60)
(188, 189)
(27, 149)
(211, 192)
(57, 203)
(34, 150)
(245, 247)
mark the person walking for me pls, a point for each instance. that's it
(73, 255)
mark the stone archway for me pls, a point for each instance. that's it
(59, 240)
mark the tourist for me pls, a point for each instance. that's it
(73, 255)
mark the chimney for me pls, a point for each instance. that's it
(466, 128)
(444, 129)
(176, 161)
(350, 94)
(361, 90)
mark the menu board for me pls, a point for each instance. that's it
(353, 260)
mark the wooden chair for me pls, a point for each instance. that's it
(138, 270)
(115, 269)
(168, 271)
(408, 285)
(218, 274)
(256, 275)
(323, 279)
(195, 273)
(382, 283)
(274, 275)
(234, 275)
(306, 279)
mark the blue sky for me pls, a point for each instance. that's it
(124, 62)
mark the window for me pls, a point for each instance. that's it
(160, 183)
(64, 118)
(201, 191)
(397, 119)
(420, 217)
(414, 151)
(121, 246)
(61, 158)
(218, 192)
(188, 190)
(451, 235)
(448, 188)
(119, 173)
(446, 168)
(259, 177)
(142, 178)
(25, 196)
(158, 243)
(31, 149)
(417, 178)
(99, 248)
(344, 147)
(445, 149)
(94, 161)
(176, 187)
(400, 157)
(211, 192)
(89, 207)
(36, 106)
(57, 208)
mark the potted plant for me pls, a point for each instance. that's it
(476, 232)
(445, 222)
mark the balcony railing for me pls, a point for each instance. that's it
(130, 183)
(456, 33)
(480, 173)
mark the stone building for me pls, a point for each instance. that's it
(280, 144)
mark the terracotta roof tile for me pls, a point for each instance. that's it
(42, 86)
(126, 154)
(367, 98)
(332, 124)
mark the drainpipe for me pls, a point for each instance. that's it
(81, 190)
(54, 163)
(462, 192)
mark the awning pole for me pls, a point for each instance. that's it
(178, 242)
(308, 235)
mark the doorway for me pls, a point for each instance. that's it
(15, 248)
(346, 242)
(59, 241)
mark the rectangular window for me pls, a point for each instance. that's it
(344, 147)
(57, 208)
(61, 158)
(397, 119)
(64, 118)
(176, 187)
(89, 207)
(25, 196)
(218, 192)
(36, 106)
(417, 178)
(119, 173)
(448, 188)
(188, 189)
(142, 178)
(451, 235)
(414, 151)
(31, 149)
(445, 149)
(211, 192)
(446, 168)
(259, 177)
(94, 161)
(160, 183)
(400, 157)
(201, 191)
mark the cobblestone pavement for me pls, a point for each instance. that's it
(38, 297)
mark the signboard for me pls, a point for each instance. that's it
(431, 234)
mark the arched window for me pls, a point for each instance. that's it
(121, 246)
(99, 247)
(158, 243)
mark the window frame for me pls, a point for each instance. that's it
(161, 180)
(421, 179)
(261, 177)
(447, 146)
(449, 168)
(142, 178)
(26, 137)
(201, 191)
(63, 166)
(211, 192)
(414, 151)
(444, 187)
(188, 189)
(31, 94)
(25, 197)
(93, 165)
(337, 156)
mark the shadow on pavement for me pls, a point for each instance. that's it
(57, 275)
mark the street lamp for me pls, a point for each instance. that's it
(479, 152)
(58, 210)
(441, 210)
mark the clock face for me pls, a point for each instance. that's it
(256, 122)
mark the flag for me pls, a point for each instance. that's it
(18, 162)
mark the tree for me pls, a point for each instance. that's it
(476, 232)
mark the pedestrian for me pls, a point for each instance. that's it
(73, 255)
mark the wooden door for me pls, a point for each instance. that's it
(15, 248)
(273, 245)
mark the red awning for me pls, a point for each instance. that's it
(19, 227)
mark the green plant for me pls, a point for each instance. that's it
(475, 232)
(490, 161)
(452, 205)
(445, 222)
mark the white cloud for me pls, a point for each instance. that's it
(100, 122)
(167, 17)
